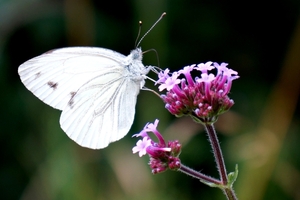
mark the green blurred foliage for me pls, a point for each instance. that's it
(38, 161)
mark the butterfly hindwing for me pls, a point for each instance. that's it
(93, 118)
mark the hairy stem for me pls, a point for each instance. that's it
(198, 175)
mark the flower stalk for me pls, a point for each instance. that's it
(202, 177)
(212, 135)
(217, 152)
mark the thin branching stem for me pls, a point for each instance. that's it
(198, 175)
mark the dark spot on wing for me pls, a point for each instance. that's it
(53, 85)
(37, 75)
(71, 102)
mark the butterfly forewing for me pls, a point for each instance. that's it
(54, 76)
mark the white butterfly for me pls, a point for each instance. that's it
(96, 89)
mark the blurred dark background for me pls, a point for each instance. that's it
(261, 133)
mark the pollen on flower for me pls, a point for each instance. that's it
(204, 97)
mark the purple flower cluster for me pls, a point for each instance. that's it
(203, 98)
(163, 155)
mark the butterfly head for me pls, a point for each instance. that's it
(136, 54)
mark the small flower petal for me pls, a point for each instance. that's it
(186, 71)
(207, 78)
(162, 76)
(204, 67)
(152, 127)
(170, 82)
(141, 146)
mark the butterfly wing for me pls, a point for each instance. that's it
(55, 75)
(91, 86)
(101, 112)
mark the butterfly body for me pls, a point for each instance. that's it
(96, 89)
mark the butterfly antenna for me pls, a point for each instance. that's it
(164, 14)
(139, 33)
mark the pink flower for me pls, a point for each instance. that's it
(141, 146)
(163, 155)
(203, 98)
(204, 67)
(162, 76)
(170, 82)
